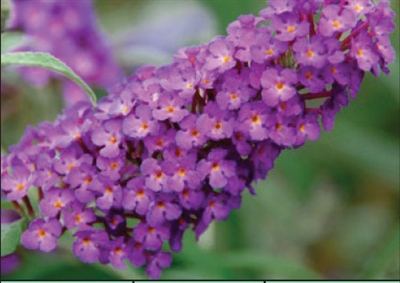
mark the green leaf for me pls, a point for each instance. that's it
(10, 235)
(6, 204)
(10, 40)
(5, 13)
(45, 60)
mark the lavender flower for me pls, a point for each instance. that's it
(174, 147)
(67, 30)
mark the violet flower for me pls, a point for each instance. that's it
(175, 147)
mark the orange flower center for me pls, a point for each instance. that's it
(226, 59)
(78, 218)
(182, 172)
(195, 132)
(140, 193)
(58, 204)
(159, 174)
(269, 52)
(145, 126)
(310, 53)
(41, 233)
(336, 24)
(215, 166)
(218, 126)
(86, 241)
(279, 85)
(290, 29)
(255, 119)
(170, 109)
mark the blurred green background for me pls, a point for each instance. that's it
(329, 210)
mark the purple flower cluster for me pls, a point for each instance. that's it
(67, 30)
(174, 147)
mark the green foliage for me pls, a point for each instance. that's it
(44, 60)
(10, 40)
(10, 235)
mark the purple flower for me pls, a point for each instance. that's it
(41, 235)
(218, 169)
(234, 92)
(111, 167)
(89, 244)
(333, 20)
(118, 253)
(288, 26)
(55, 199)
(189, 136)
(108, 135)
(215, 123)
(71, 35)
(170, 107)
(162, 209)
(141, 124)
(251, 121)
(221, 59)
(16, 185)
(310, 52)
(363, 51)
(174, 147)
(278, 86)
(108, 193)
(151, 237)
(307, 127)
(191, 199)
(156, 263)
(155, 177)
(78, 216)
(266, 47)
(216, 209)
(310, 78)
(182, 81)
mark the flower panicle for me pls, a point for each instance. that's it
(174, 147)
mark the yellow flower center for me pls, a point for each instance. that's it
(290, 29)
(279, 86)
(170, 109)
(336, 24)
(226, 59)
(215, 166)
(58, 204)
(255, 119)
(310, 53)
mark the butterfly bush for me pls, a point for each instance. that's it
(173, 148)
(68, 30)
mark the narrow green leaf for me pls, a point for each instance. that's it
(10, 40)
(10, 235)
(6, 204)
(45, 60)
